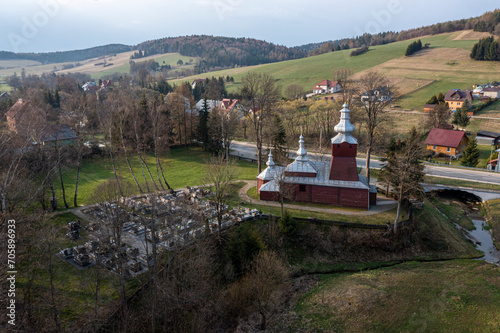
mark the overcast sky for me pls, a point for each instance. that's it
(59, 25)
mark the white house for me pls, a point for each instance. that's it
(327, 87)
(382, 94)
(493, 92)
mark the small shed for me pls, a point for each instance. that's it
(487, 138)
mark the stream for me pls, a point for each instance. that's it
(484, 242)
(480, 237)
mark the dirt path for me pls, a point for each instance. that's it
(383, 204)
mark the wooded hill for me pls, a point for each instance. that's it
(218, 52)
(488, 22)
(67, 56)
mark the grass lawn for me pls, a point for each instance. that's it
(450, 296)
(4, 87)
(484, 155)
(493, 218)
(454, 211)
(381, 218)
(73, 287)
(182, 167)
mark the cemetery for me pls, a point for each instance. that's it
(132, 228)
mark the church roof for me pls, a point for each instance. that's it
(271, 186)
(323, 178)
(344, 128)
(272, 171)
(301, 166)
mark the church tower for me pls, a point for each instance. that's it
(344, 150)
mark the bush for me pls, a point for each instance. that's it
(361, 50)
(287, 224)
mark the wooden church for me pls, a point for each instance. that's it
(335, 182)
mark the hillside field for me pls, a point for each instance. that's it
(445, 65)
(120, 63)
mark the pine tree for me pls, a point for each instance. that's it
(433, 100)
(471, 154)
(460, 118)
(57, 100)
(203, 132)
(440, 98)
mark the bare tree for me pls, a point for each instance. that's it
(404, 171)
(219, 176)
(438, 117)
(260, 93)
(255, 290)
(158, 118)
(222, 128)
(78, 119)
(375, 93)
(109, 193)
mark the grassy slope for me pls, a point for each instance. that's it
(169, 59)
(454, 296)
(309, 71)
(493, 215)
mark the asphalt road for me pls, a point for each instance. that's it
(248, 150)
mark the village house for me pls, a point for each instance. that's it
(380, 94)
(4, 96)
(231, 105)
(327, 87)
(211, 104)
(335, 182)
(448, 142)
(456, 98)
(493, 92)
(26, 119)
(61, 134)
(487, 138)
(198, 81)
(430, 107)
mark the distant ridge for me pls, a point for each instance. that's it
(488, 22)
(67, 56)
(222, 52)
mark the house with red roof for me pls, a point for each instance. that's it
(327, 87)
(493, 165)
(448, 142)
(456, 98)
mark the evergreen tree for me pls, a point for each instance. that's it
(461, 118)
(203, 132)
(279, 139)
(440, 98)
(433, 100)
(57, 100)
(471, 154)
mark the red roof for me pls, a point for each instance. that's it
(458, 95)
(228, 103)
(21, 107)
(444, 138)
(326, 83)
